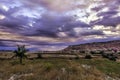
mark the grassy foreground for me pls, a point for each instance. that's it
(59, 69)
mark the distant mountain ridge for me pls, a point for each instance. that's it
(96, 46)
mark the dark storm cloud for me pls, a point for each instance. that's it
(7, 43)
(98, 8)
(85, 32)
(11, 20)
(44, 33)
(49, 19)
(49, 25)
(107, 14)
(107, 11)
(8, 40)
(2, 12)
(50, 44)
(72, 25)
(9, 12)
(2, 44)
(93, 32)
(14, 24)
(107, 21)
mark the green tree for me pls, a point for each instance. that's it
(20, 53)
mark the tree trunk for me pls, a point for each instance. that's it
(20, 60)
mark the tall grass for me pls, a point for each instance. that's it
(59, 69)
(54, 69)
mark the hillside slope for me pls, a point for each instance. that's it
(96, 46)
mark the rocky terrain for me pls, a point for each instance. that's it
(96, 46)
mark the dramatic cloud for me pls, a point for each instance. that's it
(53, 25)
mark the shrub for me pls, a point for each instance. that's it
(105, 55)
(77, 56)
(101, 52)
(48, 66)
(39, 56)
(110, 56)
(113, 58)
(92, 52)
(88, 56)
(82, 51)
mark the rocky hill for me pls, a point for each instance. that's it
(96, 46)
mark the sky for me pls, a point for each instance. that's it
(56, 24)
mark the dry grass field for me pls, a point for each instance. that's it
(58, 69)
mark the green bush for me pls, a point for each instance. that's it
(88, 56)
(101, 52)
(39, 56)
(105, 55)
(92, 52)
(82, 51)
(77, 56)
(113, 58)
(48, 66)
(110, 56)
